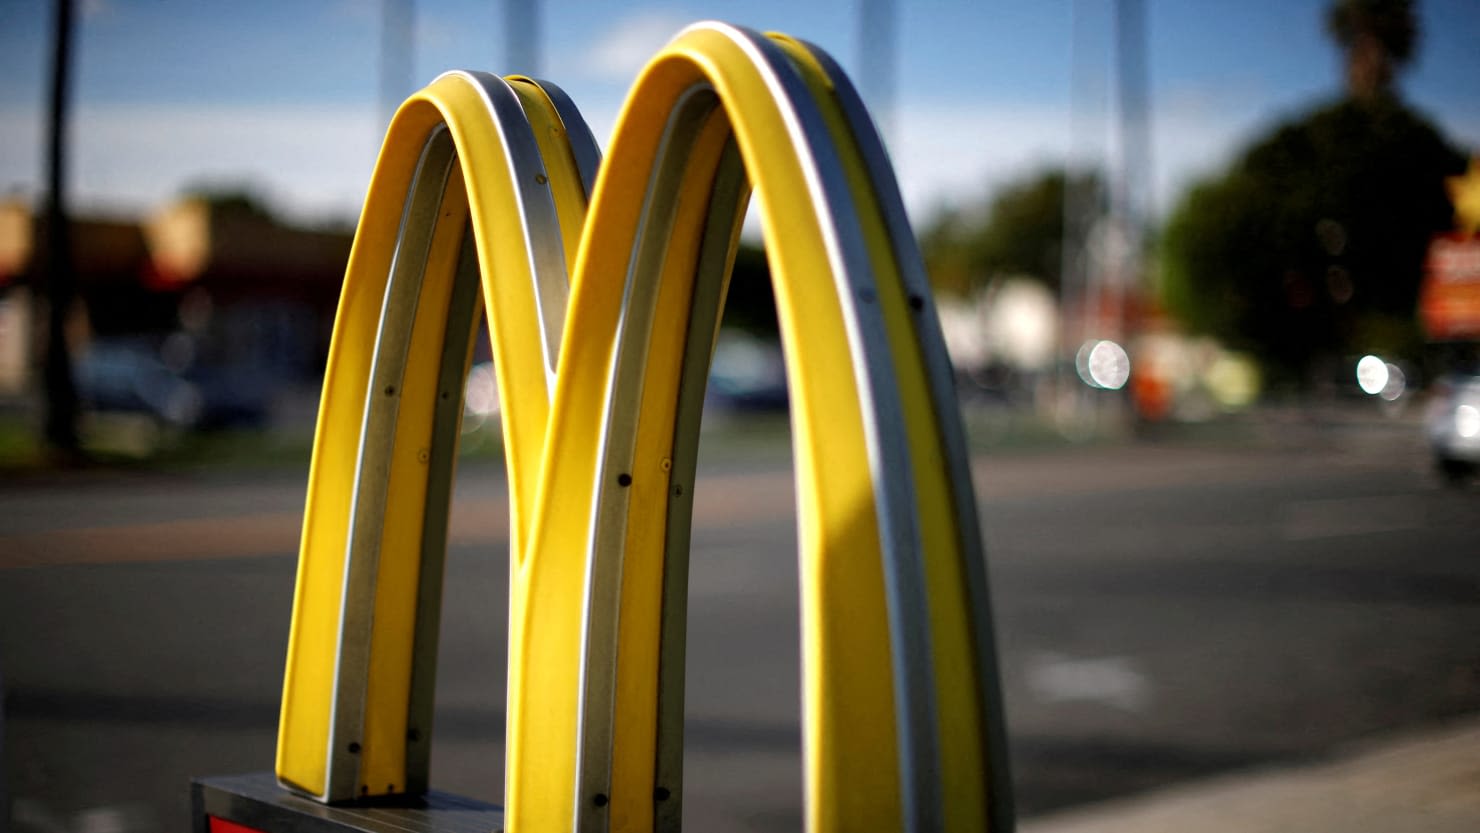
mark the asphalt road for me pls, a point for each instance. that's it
(1165, 610)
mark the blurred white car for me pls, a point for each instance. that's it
(1453, 424)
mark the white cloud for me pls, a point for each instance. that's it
(311, 161)
(950, 154)
(433, 35)
(20, 149)
(315, 161)
(955, 154)
(626, 47)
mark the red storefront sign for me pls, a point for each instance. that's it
(1449, 303)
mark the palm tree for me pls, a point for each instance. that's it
(1379, 37)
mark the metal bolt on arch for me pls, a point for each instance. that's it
(602, 284)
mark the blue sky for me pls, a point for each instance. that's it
(284, 96)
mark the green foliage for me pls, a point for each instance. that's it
(1313, 244)
(1021, 232)
(235, 200)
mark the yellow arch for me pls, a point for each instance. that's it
(512, 159)
(900, 701)
(882, 530)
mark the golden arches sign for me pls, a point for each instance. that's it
(492, 183)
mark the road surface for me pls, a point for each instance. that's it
(1165, 611)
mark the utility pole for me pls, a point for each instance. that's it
(878, 35)
(1083, 196)
(522, 37)
(397, 23)
(61, 290)
(1105, 219)
(1132, 202)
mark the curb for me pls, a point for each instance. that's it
(1425, 782)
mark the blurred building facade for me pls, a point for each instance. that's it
(219, 281)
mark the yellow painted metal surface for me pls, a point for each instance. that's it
(896, 736)
(958, 688)
(498, 224)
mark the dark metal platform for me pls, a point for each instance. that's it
(258, 802)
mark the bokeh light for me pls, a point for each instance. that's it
(1372, 374)
(1103, 364)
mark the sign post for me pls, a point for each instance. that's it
(1449, 300)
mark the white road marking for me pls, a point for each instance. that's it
(1114, 681)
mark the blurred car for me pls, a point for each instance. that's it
(127, 376)
(1453, 424)
(232, 395)
(746, 375)
(131, 376)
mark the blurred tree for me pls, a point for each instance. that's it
(1312, 246)
(1020, 232)
(232, 199)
